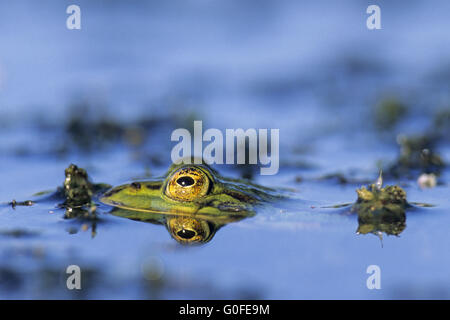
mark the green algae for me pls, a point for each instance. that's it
(389, 112)
(78, 192)
(26, 203)
(381, 209)
(417, 153)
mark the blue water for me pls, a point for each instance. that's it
(312, 70)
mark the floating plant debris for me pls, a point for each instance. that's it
(416, 153)
(389, 112)
(381, 209)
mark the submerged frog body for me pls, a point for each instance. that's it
(190, 189)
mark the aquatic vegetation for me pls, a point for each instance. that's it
(416, 153)
(78, 189)
(87, 133)
(341, 178)
(441, 123)
(381, 209)
(25, 203)
(78, 193)
(91, 127)
(389, 112)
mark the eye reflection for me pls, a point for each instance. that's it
(188, 230)
(186, 234)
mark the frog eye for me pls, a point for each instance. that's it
(187, 184)
(185, 181)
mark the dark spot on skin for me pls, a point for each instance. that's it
(239, 196)
(113, 191)
(153, 186)
(136, 185)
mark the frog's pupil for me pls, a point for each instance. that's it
(186, 234)
(185, 181)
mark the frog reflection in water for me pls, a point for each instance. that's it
(192, 201)
(185, 229)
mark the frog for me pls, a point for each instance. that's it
(193, 201)
(190, 189)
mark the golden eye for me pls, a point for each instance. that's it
(187, 184)
(186, 230)
(186, 234)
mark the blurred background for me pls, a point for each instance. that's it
(347, 101)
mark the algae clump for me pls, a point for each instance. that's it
(78, 192)
(389, 112)
(416, 153)
(381, 209)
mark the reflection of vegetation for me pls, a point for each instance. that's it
(416, 153)
(442, 123)
(381, 209)
(384, 221)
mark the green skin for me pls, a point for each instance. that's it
(225, 197)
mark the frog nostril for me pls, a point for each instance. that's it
(186, 234)
(136, 185)
(185, 181)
